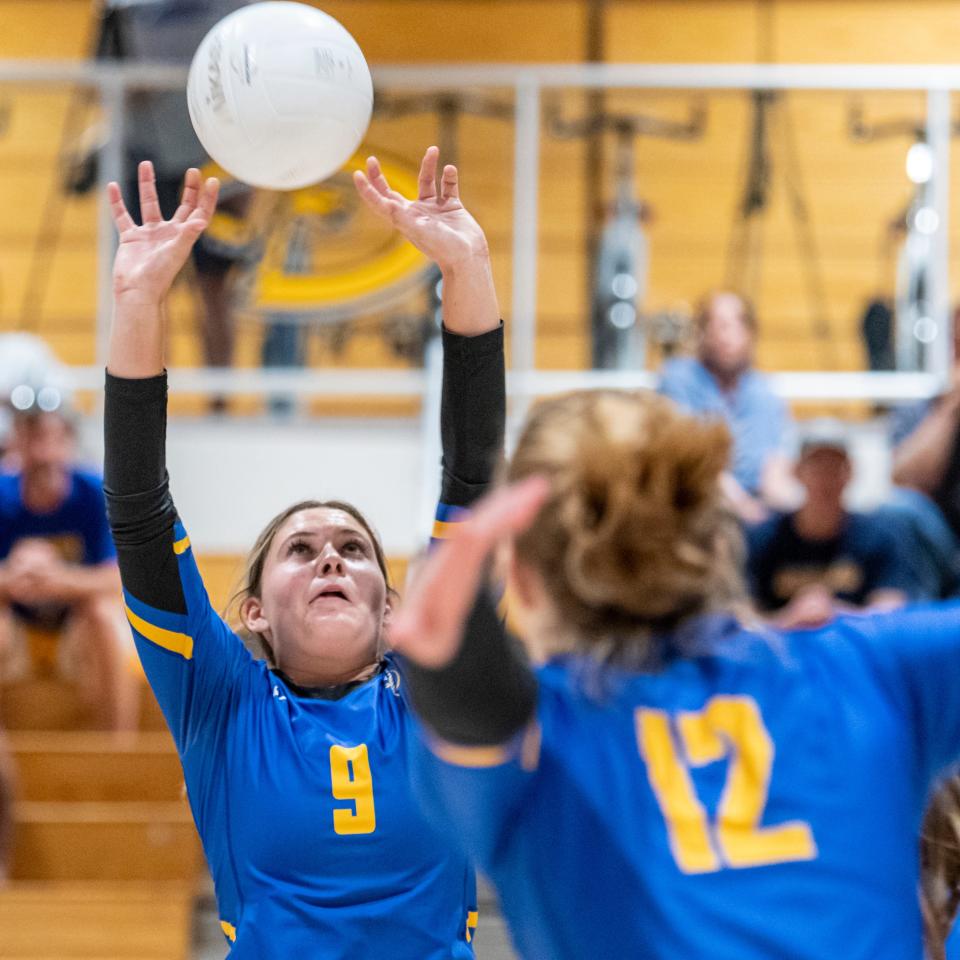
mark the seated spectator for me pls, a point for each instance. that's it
(806, 565)
(58, 570)
(925, 505)
(721, 381)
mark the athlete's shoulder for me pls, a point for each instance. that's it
(707, 653)
(858, 651)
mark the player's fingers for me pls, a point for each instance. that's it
(377, 178)
(206, 203)
(118, 209)
(428, 626)
(450, 183)
(427, 180)
(380, 204)
(191, 193)
(149, 202)
(504, 513)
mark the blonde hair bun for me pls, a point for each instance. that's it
(629, 536)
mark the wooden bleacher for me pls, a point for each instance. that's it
(95, 921)
(106, 857)
(94, 767)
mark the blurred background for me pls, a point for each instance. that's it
(625, 157)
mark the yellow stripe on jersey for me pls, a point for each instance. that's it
(181, 546)
(168, 639)
(473, 918)
(493, 756)
(478, 757)
(445, 529)
(230, 931)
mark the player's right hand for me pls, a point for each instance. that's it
(150, 255)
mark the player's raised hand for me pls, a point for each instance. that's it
(428, 627)
(150, 255)
(436, 222)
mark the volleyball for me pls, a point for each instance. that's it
(279, 95)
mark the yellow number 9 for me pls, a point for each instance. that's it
(351, 779)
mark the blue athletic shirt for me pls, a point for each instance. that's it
(302, 798)
(759, 797)
(77, 527)
(316, 845)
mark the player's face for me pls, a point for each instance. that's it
(323, 597)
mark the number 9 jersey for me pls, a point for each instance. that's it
(759, 796)
(314, 839)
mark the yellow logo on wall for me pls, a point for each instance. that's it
(320, 250)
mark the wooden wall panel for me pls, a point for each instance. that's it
(478, 30)
(853, 190)
(38, 29)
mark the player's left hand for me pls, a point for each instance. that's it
(428, 627)
(436, 223)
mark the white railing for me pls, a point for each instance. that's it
(112, 81)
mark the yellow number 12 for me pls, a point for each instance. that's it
(351, 779)
(727, 726)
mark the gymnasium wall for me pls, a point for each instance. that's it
(852, 190)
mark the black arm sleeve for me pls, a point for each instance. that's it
(472, 412)
(487, 694)
(139, 506)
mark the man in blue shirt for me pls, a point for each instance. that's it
(721, 381)
(806, 565)
(58, 564)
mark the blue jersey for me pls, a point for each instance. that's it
(760, 797)
(77, 527)
(314, 839)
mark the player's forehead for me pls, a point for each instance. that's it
(324, 522)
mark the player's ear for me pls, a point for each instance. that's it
(252, 615)
(388, 608)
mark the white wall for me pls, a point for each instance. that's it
(229, 477)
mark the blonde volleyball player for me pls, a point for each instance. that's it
(671, 782)
(296, 767)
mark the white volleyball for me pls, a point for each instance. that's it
(279, 94)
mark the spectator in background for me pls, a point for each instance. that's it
(24, 359)
(806, 565)
(721, 381)
(158, 128)
(926, 468)
(57, 561)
